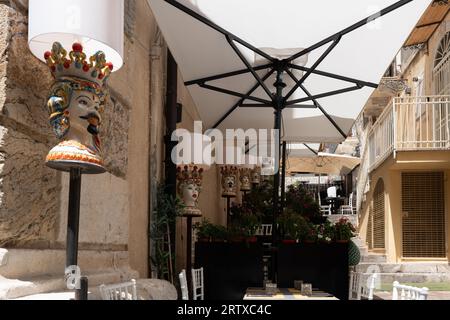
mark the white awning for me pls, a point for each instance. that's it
(362, 54)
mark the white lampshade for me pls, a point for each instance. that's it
(97, 24)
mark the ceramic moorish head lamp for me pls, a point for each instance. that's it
(229, 181)
(75, 38)
(75, 105)
(189, 188)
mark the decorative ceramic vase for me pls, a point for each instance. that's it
(189, 188)
(75, 105)
(256, 175)
(244, 178)
(229, 181)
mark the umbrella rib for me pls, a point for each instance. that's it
(311, 149)
(241, 101)
(295, 106)
(318, 105)
(226, 75)
(249, 66)
(353, 27)
(233, 93)
(315, 65)
(324, 112)
(324, 95)
(335, 76)
(214, 26)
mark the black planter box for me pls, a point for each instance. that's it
(229, 268)
(325, 266)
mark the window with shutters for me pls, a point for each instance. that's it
(369, 234)
(378, 216)
(423, 221)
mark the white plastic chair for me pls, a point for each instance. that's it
(184, 285)
(264, 230)
(197, 284)
(324, 209)
(121, 291)
(348, 208)
(402, 292)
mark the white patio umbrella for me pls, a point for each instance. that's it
(224, 49)
(217, 43)
(324, 163)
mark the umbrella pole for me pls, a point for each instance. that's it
(278, 105)
(283, 178)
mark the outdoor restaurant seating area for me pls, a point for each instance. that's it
(250, 150)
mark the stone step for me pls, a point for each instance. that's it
(374, 258)
(405, 267)
(414, 277)
(13, 289)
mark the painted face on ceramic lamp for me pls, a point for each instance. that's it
(191, 193)
(84, 113)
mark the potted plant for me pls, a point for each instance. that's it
(310, 234)
(292, 226)
(205, 230)
(325, 232)
(220, 233)
(249, 223)
(344, 230)
(236, 234)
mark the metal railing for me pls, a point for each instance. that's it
(410, 124)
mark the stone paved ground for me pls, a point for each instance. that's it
(433, 295)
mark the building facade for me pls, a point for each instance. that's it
(403, 186)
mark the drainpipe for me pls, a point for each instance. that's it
(171, 126)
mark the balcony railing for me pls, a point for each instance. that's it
(410, 124)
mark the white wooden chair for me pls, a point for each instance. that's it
(198, 284)
(348, 208)
(360, 289)
(324, 209)
(184, 285)
(367, 288)
(121, 291)
(264, 230)
(402, 292)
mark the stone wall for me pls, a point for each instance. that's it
(33, 198)
(29, 192)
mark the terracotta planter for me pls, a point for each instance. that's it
(252, 239)
(289, 241)
(342, 241)
(309, 241)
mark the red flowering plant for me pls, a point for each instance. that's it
(344, 230)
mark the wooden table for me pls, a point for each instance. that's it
(286, 294)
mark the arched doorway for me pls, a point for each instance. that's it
(378, 216)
